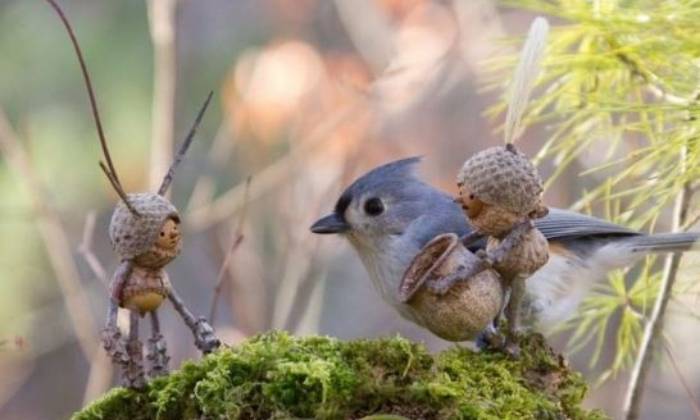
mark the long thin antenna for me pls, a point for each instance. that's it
(111, 173)
(118, 188)
(183, 148)
(526, 74)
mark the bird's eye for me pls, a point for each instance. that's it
(374, 206)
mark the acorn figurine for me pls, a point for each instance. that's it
(145, 233)
(500, 192)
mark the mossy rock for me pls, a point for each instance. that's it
(279, 376)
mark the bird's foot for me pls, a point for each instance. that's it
(490, 340)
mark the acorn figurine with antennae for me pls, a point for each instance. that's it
(145, 232)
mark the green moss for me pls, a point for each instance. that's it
(278, 376)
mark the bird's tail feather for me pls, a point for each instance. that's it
(666, 242)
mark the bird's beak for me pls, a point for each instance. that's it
(333, 223)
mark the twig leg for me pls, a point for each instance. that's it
(517, 292)
(157, 349)
(133, 373)
(112, 339)
(442, 285)
(204, 337)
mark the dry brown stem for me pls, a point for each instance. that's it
(55, 238)
(161, 19)
(237, 240)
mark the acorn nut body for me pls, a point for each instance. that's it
(525, 258)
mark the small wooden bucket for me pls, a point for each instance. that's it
(468, 307)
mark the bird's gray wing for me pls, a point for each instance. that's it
(445, 217)
(565, 224)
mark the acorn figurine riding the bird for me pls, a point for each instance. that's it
(500, 192)
(145, 233)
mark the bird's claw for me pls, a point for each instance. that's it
(204, 337)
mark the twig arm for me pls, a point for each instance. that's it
(112, 339)
(471, 237)
(513, 239)
(204, 337)
(442, 285)
(157, 349)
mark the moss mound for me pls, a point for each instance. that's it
(275, 375)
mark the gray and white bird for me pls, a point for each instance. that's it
(389, 214)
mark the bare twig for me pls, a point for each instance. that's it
(237, 240)
(85, 249)
(183, 148)
(654, 326)
(100, 367)
(58, 247)
(369, 29)
(99, 378)
(298, 288)
(688, 389)
(228, 203)
(161, 18)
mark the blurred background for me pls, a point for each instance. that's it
(309, 94)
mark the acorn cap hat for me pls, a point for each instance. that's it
(502, 176)
(132, 235)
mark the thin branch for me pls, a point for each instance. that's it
(101, 368)
(688, 389)
(654, 326)
(183, 148)
(100, 377)
(85, 249)
(91, 93)
(237, 240)
(369, 29)
(228, 203)
(161, 19)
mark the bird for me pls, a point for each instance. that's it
(389, 214)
